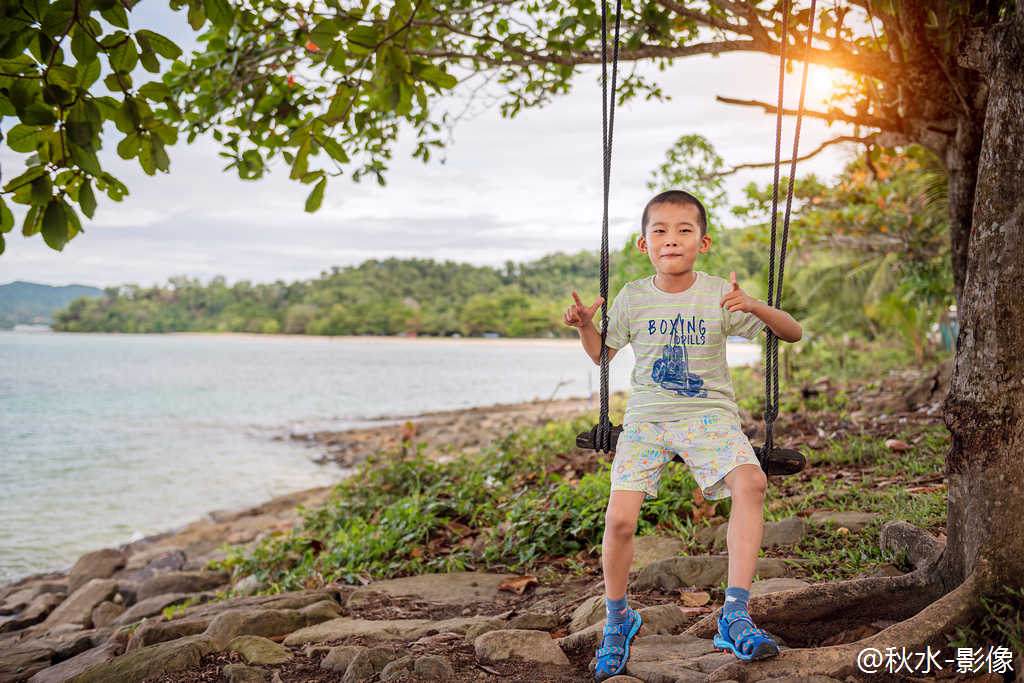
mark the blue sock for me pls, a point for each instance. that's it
(616, 610)
(736, 600)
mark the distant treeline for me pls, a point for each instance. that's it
(377, 297)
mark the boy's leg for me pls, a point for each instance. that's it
(617, 546)
(747, 484)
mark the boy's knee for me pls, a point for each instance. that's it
(619, 523)
(749, 482)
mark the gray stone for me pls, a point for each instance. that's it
(78, 607)
(34, 612)
(338, 658)
(240, 673)
(533, 621)
(74, 644)
(647, 549)
(59, 673)
(671, 671)
(16, 601)
(854, 521)
(257, 650)
(709, 663)
(98, 565)
(659, 619)
(478, 630)
(317, 651)
(591, 611)
(293, 601)
(663, 648)
(129, 582)
(454, 588)
(397, 669)
(23, 660)
(147, 662)
(699, 571)
(181, 582)
(622, 679)
(267, 623)
(530, 646)
(64, 630)
(370, 661)
(105, 613)
(143, 558)
(776, 586)
(706, 535)
(404, 629)
(153, 606)
(433, 667)
(154, 632)
(788, 531)
(322, 611)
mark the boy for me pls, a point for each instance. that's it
(682, 402)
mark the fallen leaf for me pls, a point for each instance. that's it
(897, 445)
(489, 670)
(505, 616)
(559, 633)
(416, 553)
(459, 529)
(518, 584)
(438, 638)
(925, 489)
(695, 599)
(810, 511)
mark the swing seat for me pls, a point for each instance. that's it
(779, 461)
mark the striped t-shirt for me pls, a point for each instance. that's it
(679, 343)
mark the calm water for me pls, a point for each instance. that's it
(106, 438)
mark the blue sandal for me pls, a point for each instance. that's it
(752, 644)
(614, 652)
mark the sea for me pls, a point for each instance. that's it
(108, 438)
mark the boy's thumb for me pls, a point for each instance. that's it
(600, 300)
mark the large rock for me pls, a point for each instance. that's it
(533, 621)
(153, 606)
(130, 580)
(340, 657)
(397, 669)
(155, 660)
(98, 565)
(477, 630)
(267, 623)
(776, 586)
(675, 572)
(21, 661)
(144, 558)
(647, 549)
(74, 644)
(530, 646)
(854, 521)
(668, 659)
(592, 611)
(78, 664)
(432, 667)
(455, 588)
(295, 601)
(400, 629)
(181, 582)
(40, 607)
(77, 609)
(240, 673)
(154, 632)
(105, 613)
(370, 661)
(257, 650)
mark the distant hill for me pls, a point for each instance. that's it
(24, 303)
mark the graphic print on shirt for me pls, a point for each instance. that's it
(672, 370)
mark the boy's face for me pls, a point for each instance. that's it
(673, 238)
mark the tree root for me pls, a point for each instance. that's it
(817, 612)
(960, 607)
(921, 548)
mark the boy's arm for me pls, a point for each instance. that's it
(581, 317)
(781, 323)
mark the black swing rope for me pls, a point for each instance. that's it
(603, 440)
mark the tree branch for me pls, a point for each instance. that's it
(870, 139)
(830, 116)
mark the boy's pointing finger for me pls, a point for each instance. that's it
(732, 279)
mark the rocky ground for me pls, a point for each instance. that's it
(151, 611)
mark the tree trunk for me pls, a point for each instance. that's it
(961, 160)
(985, 407)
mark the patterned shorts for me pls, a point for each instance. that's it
(712, 445)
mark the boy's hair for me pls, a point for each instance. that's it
(678, 198)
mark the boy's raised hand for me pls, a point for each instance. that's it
(737, 299)
(579, 315)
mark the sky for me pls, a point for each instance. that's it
(509, 189)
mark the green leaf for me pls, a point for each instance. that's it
(362, 39)
(25, 139)
(124, 57)
(85, 160)
(156, 91)
(88, 72)
(431, 74)
(55, 225)
(3, 245)
(21, 184)
(83, 46)
(339, 102)
(129, 147)
(38, 115)
(160, 158)
(31, 224)
(301, 163)
(316, 197)
(163, 46)
(324, 33)
(114, 82)
(221, 14)
(86, 199)
(149, 61)
(6, 217)
(74, 224)
(196, 16)
(42, 190)
(335, 150)
(116, 16)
